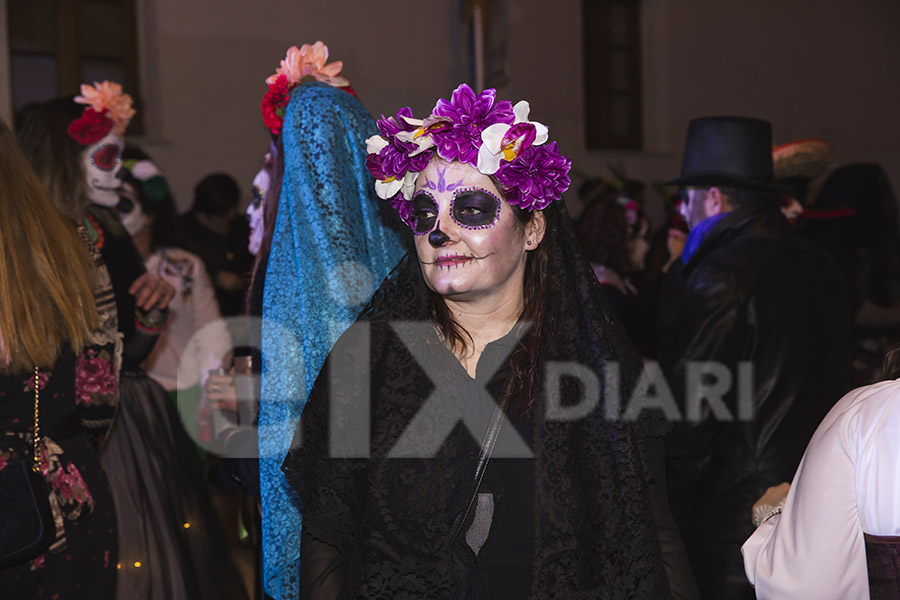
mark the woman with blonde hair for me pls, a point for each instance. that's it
(57, 396)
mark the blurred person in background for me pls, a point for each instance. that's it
(614, 233)
(758, 349)
(195, 339)
(215, 231)
(850, 212)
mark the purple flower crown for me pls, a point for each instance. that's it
(491, 135)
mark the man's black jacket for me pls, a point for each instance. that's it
(756, 294)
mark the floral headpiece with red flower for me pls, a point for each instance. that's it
(491, 135)
(300, 64)
(108, 109)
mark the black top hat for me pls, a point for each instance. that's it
(728, 151)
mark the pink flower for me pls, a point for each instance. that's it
(4, 460)
(38, 563)
(69, 484)
(94, 376)
(43, 378)
(309, 61)
(108, 96)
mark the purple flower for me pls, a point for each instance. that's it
(394, 160)
(469, 115)
(403, 208)
(373, 163)
(388, 127)
(536, 178)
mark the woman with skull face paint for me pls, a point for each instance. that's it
(545, 489)
(168, 534)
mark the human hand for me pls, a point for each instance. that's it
(221, 391)
(774, 495)
(151, 291)
(770, 503)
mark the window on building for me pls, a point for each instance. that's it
(612, 73)
(56, 45)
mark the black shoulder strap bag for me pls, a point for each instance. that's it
(26, 521)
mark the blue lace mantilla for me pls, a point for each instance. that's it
(330, 251)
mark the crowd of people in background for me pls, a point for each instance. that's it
(157, 383)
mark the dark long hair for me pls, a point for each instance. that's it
(55, 156)
(891, 365)
(270, 212)
(605, 234)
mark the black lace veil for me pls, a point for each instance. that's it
(388, 519)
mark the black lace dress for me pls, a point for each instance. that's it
(386, 450)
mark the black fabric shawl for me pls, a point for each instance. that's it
(390, 519)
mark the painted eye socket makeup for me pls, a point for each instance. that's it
(257, 196)
(424, 212)
(474, 208)
(106, 157)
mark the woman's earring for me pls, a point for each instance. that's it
(528, 242)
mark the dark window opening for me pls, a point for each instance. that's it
(612, 73)
(56, 45)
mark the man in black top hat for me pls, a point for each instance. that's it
(757, 352)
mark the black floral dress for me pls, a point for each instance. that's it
(77, 398)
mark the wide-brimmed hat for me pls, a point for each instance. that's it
(801, 159)
(728, 152)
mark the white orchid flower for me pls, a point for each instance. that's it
(507, 142)
(418, 137)
(375, 144)
(388, 188)
(409, 184)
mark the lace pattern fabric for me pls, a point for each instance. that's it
(389, 518)
(330, 250)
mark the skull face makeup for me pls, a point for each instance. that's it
(133, 217)
(102, 162)
(469, 242)
(471, 208)
(255, 210)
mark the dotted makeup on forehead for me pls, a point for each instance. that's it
(491, 135)
(108, 110)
